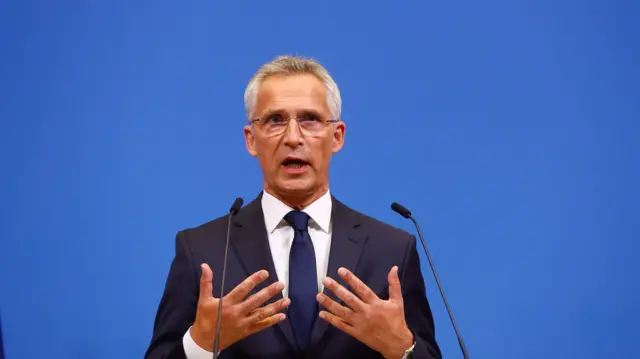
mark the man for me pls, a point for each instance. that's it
(308, 276)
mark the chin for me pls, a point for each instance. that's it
(295, 186)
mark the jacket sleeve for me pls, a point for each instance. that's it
(416, 306)
(177, 309)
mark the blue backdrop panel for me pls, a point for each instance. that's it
(509, 128)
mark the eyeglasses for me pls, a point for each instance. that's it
(274, 125)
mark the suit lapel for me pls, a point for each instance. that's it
(347, 242)
(251, 244)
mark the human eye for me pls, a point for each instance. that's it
(309, 117)
(274, 119)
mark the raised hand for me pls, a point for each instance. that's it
(240, 317)
(380, 324)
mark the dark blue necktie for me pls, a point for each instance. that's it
(303, 282)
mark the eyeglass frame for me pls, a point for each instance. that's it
(288, 119)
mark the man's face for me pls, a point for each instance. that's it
(295, 163)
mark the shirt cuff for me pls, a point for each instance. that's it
(192, 350)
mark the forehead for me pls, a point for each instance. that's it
(292, 93)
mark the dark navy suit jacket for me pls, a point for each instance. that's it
(364, 245)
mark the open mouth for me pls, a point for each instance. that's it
(294, 163)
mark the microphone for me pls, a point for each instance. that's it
(404, 212)
(232, 212)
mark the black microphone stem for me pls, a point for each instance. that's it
(444, 298)
(232, 212)
(216, 342)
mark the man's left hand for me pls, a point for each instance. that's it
(380, 324)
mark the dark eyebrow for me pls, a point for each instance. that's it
(312, 112)
(282, 112)
(272, 112)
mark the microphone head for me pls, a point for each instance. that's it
(236, 206)
(401, 210)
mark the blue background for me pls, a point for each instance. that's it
(509, 128)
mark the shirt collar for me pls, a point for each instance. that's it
(274, 211)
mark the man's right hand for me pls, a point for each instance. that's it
(240, 317)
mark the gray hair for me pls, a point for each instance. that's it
(294, 65)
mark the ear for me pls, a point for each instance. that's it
(250, 141)
(338, 137)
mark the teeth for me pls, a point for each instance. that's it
(294, 165)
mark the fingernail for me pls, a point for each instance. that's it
(280, 286)
(320, 298)
(287, 302)
(322, 315)
(342, 271)
(264, 274)
(282, 316)
(326, 281)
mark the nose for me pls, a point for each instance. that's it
(293, 136)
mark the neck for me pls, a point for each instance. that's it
(297, 199)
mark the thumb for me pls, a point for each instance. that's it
(206, 285)
(395, 291)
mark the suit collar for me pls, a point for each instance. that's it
(251, 245)
(347, 242)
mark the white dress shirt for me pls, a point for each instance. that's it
(280, 235)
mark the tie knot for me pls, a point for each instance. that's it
(298, 220)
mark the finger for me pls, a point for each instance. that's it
(395, 291)
(336, 309)
(344, 294)
(266, 323)
(261, 297)
(238, 293)
(270, 310)
(338, 323)
(362, 290)
(206, 285)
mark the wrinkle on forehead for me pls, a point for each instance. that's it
(292, 94)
